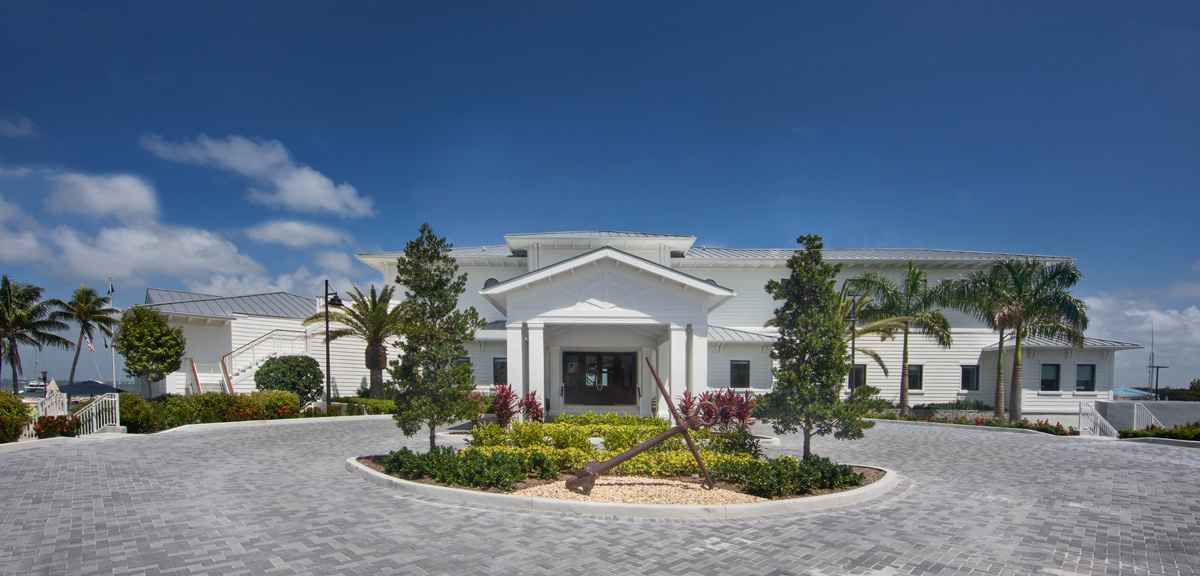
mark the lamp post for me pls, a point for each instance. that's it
(331, 299)
(853, 320)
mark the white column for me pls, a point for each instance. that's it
(699, 358)
(516, 356)
(677, 381)
(646, 383)
(537, 360)
(554, 379)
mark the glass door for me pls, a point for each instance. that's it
(600, 378)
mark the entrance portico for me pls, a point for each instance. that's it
(578, 331)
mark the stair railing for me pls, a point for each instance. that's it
(1091, 422)
(54, 404)
(1143, 418)
(253, 353)
(103, 411)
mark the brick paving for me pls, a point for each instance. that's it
(276, 500)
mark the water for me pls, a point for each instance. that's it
(6, 385)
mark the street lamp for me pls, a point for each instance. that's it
(331, 299)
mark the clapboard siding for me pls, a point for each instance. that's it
(720, 356)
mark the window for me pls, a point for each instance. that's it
(499, 371)
(915, 371)
(460, 361)
(858, 375)
(1050, 377)
(1085, 378)
(739, 373)
(970, 377)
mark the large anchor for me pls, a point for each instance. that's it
(586, 476)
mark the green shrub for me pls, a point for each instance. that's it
(499, 469)
(140, 416)
(737, 440)
(1189, 431)
(300, 375)
(591, 418)
(276, 404)
(15, 415)
(562, 437)
(488, 434)
(55, 426)
(528, 434)
(372, 406)
(958, 404)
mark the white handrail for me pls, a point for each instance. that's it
(269, 345)
(1091, 422)
(103, 411)
(54, 404)
(1143, 418)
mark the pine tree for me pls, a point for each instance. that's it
(811, 355)
(433, 389)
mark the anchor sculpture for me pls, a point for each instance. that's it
(586, 476)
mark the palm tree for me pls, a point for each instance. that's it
(90, 311)
(911, 304)
(25, 320)
(854, 309)
(982, 293)
(1039, 303)
(371, 318)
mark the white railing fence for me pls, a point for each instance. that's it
(1143, 418)
(1093, 424)
(103, 411)
(247, 358)
(203, 378)
(54, 404)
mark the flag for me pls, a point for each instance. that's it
(111, 291)
(91, 348)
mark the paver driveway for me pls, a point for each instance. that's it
(276, 499)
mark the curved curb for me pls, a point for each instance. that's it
(655, 511)
(276, 422)
(965, 426)
(1164, 441)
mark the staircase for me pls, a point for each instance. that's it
(1091, 423)
(54, 404)
(243, 362)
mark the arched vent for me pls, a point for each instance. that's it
(489, 283)
(711, 281)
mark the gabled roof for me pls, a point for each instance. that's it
(1042, 342)
(497, 294)
(275, 304)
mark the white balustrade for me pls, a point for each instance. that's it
(1092, 423)
(1143, 418)
(102, 411)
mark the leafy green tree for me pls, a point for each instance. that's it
(1192, 394)
(982, 293)
(300, 375)
(433, 390)
(1039, 303)
(811, 354)
(152, 348)
(90, 311)
(26, 321)
(911, 303)
(372, 318)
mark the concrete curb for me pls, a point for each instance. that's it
(654, 511)
(964, 426)
(250, 423)
(1165, 441)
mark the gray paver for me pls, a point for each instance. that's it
(277, 500)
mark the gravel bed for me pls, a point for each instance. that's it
(641, 490)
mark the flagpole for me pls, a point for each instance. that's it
(112, 349)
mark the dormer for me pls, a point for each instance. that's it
(545, 249)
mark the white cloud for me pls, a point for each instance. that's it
(297, 234)
(19, 235)
(301, 282)
(125, 196)
(296, 187)
(1176, 338)
(17, 126)
(149, 250)
(13, 172)
(334, 261)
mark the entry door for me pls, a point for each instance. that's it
(601, 378)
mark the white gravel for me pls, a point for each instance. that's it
(641, 490)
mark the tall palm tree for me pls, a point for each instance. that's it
(90, 311)
(1040, 304)
(372, 318)
(982, 294)
(24, 320)
(855, 309)
(911, 304)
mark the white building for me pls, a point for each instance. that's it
(573, 315)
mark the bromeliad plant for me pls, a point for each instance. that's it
(504, 404)
(532, 409)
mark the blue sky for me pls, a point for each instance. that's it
(245, 147)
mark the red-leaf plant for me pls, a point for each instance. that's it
(531, 408)
(504, 404)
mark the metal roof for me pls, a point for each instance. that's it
(595, 234)
(275, 304)
(1042, 342)
(724, 335)
(847, 254)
